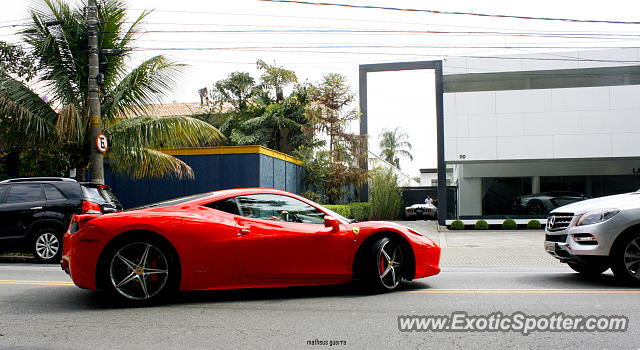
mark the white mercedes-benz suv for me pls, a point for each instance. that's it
(597, 234)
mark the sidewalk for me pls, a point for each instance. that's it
(488, 247)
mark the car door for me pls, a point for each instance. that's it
(280, 237)
(21, 203)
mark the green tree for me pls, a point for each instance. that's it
(335, 170)
(394, 144)
(125, 94)
(22, 66)
(261, 113)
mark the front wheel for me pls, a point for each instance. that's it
(626, 260)
(385, 265)
(140, 271)
(47, 245)
(588, 270)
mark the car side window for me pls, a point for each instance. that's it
(3, 190)
(279, 208)
(226, 205)
(52, 193)
(25, 193)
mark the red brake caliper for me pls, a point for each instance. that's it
(383, 266)
(154, 265)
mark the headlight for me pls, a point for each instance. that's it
(596, 216)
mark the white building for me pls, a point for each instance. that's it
(518, 125)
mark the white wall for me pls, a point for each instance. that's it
(591, 122)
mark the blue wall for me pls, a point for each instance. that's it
(212, 172)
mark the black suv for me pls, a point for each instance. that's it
(35, 212)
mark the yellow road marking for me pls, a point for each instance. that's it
(38, 283)
(528, 290)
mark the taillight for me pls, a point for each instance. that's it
(77, 221)
(91, 208)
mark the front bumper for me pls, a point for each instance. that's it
(563, 244)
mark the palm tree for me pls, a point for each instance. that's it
(126, 95)
(394, 144)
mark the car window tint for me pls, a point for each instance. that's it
(227, 205)
(279, 208)
(52, 193)
(3, 189)
(25, 193)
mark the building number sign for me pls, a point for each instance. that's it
(101, 143)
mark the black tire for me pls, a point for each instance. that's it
(589, 270)
(626, 268)
(46, 244)
(140, 271)
(383, 265)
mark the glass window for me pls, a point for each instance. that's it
(25, 193)
(52, 193)
(3, 190)
(226, 205)
(279, 208)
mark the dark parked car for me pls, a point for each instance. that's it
(542, 203)
(35, 212)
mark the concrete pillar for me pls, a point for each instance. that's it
(588, 186)
(535, 184)
(470, 196)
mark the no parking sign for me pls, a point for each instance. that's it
(101, 143)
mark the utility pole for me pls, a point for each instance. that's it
(95, 157)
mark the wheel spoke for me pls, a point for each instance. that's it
(145, 255)
(155, 271)
(393, 277)
(386, 271)
(143, 284)
(127, 279)
(386, 256)
(127, 262)
(634, 245)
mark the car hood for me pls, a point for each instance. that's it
(619, 201)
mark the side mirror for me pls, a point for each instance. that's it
(331, 222)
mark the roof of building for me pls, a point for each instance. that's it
(175, 109)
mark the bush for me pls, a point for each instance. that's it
(386, 196)
(482, 225)
(534, 225)
(509, 224)
(357, 211)
(457, 225)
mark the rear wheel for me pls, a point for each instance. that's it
(140, 270)
(47, 245)
(588, 270)
(626, 259)
(384, 265)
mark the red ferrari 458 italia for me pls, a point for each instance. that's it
(241, 238)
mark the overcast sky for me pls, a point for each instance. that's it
(219, 37)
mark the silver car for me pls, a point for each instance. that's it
(597, 234)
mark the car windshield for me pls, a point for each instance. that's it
(171, 202)
(332, 213)
(99, 194)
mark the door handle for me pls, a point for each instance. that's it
(243, 231)
(35, 208)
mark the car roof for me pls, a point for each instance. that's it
(38, 179)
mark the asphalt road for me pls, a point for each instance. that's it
(40, 308)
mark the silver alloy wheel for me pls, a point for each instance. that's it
(47, 245)
(139, 271)
(389, 265)
(632, 258)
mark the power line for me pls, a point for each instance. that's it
(451, 12)
(307, 50)
(384, 32)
